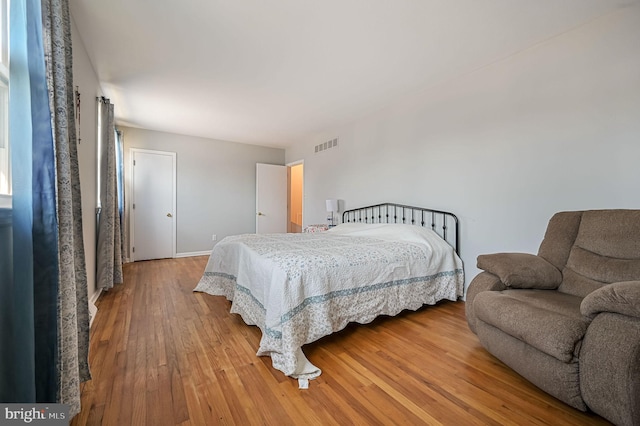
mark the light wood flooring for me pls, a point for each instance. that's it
(163, 355)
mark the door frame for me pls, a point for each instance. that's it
(132, 152)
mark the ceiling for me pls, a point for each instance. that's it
(273, 72)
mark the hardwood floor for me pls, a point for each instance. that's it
(163, 355)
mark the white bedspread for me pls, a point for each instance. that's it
(298, 288)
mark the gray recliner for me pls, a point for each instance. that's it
(568, 318)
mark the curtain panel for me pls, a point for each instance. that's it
(44, 322)
(73, 308)
(17, 365)
(29, 321)
(109, 251)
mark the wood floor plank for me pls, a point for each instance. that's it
(161, 354)
(178, 397)
(242, 408)
(197, 415)
(433, 373)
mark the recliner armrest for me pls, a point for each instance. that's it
(610, 367)
(484, 281)
(521, 270)
(621, 298)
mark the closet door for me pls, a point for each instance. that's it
(271, 199)
(153, 220)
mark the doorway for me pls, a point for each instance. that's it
(279, 198)
(296, 191)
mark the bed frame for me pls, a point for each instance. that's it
(440, 221)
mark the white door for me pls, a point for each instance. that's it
(153, 204)
(271, 199)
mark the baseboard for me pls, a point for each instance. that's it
(194, 253)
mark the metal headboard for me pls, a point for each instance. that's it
(443, 223)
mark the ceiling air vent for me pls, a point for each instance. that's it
(333, 143)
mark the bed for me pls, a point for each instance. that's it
(297, 288)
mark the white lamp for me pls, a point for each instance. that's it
(332, 206)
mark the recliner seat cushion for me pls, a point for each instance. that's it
(545, 319)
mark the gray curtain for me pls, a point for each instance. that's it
(73, 307)
(109, 252)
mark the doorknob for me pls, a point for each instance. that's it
(260, 214)
(169, 215)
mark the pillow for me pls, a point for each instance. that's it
(621, 298)
(521, 270)
(394, 232)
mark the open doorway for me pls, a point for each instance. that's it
(296, 191)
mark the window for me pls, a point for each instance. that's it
(5, 187)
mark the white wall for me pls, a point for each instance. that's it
(84, 77)
(216, 183)
(555, 127)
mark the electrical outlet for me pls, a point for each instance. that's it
(214, 237)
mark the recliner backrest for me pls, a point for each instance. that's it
(593, 248)
(559, 238)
